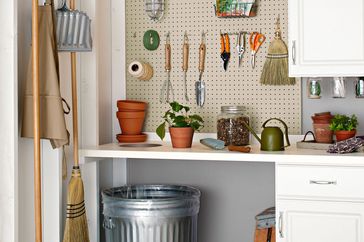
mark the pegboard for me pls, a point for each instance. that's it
(236, 86)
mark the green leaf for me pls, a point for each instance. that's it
(196, 117)
(161, 130)
(176, 107)
(180, 118)
(181, 124)
(343, 122)
(196, 125)
(186, 108)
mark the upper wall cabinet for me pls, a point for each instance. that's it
(326, 38)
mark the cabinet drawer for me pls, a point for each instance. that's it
(320, 181)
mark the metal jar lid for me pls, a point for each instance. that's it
(232, 109)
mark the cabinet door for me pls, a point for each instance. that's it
(318, 221)
(326, 38)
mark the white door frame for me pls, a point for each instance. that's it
(8, 122)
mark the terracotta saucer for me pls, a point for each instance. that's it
(131, 138)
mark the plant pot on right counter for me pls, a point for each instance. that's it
(321, 127)
(344, 126)
(344, 134)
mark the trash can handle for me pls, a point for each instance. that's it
(108, 224)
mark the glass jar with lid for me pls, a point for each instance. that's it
(230, 126)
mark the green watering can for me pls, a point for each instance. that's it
(272, 137)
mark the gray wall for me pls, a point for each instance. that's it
(232, 192)
(349, 105)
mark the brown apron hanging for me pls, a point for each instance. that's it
(52, 121)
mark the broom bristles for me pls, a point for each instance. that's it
(76, 228)
(275, 70)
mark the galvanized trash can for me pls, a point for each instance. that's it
(151, 213)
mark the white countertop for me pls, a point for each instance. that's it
(291, 155)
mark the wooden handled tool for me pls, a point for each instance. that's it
(167, 88)
(243, 149)
(200, 88)
(36, 122)
(202, 55)
(186, 49)
(168, 66)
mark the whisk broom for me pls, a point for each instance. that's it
(76, 229)
(275, 70)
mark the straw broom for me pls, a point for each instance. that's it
(275, 70)
(76, 229)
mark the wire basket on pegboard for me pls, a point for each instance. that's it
(236, 8)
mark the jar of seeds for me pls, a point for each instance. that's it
(230, 126)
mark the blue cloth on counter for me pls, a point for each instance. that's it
(213, 143)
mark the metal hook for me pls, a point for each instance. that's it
(168, 37)
(185, 40)
(203, 37)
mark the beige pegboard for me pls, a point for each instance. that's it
(237, 86)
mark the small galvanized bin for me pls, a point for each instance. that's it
(151, 213)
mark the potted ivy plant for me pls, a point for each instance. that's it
(181, 124)
(344, 126)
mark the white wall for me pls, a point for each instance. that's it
(349, 105)
(232, 192)
(8, 123)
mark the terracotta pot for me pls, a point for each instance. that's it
(323, 114)
(131, 123)
(323, 134)
(344, 134)
(322, 119)
(181, 137)
(130, 114)
(130, 105)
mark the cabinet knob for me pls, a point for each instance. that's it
(294, 52)
(280, 225)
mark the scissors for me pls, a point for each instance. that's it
(241, 46)
(225, 49)
(256, 40)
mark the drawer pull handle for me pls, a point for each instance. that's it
(280, 225)
(294, 52)
(323, 182)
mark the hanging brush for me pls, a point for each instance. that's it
(275, 70)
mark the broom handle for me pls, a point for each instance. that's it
(74, 109)
(74, 100)
(36, 123)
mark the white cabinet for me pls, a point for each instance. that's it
(326, 38)
(320, 221)
(319, 203)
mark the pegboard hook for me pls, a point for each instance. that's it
(168, 38)
(185, 40)
(203, 37)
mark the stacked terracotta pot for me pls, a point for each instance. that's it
(131, 116)
(321, 127)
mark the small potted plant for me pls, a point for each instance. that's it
(181, 124)
(344, 126)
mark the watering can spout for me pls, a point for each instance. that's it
(253, 132)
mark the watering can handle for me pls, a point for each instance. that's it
(285, 128)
